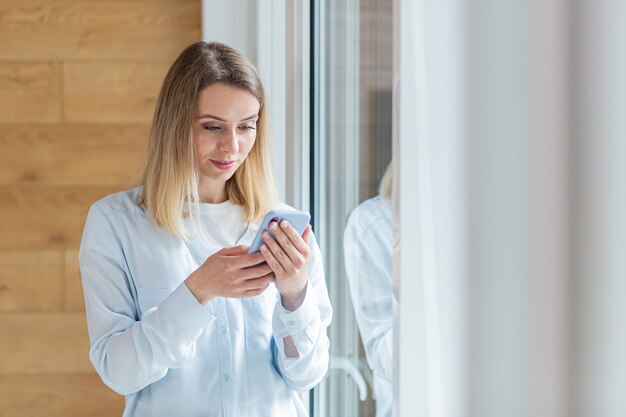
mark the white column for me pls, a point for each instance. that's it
(600, 267)
(271, 63)
(519, 206)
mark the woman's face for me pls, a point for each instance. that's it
(223, 133)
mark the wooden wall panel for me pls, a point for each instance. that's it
(78, 83)
(45, 217)
(65, 30)
(30, 92)
(31, 280)
(44, 343)
(73, 297)
(58, 396)
(72, 154)
(112, 92)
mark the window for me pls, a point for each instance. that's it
(352, 82)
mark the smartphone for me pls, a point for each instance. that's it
(297, 219)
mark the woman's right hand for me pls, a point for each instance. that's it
(232, 273)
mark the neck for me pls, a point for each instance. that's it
(212, 193)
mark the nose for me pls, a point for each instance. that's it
(229, 143)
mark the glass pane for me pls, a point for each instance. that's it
(353, 79)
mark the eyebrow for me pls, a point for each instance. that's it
(210, 116)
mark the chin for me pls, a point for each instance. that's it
(220, 176)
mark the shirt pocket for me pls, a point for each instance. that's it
(258, 313)
(149, 298)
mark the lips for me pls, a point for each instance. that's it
(223, 165)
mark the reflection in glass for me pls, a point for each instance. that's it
(352, 73)
(368, 259)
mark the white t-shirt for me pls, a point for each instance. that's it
(222, 224)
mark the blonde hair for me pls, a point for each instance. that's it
(171, 175)
(386, 183)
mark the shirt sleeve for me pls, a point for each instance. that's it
(367, 252)
(128, 352)
(307, 326)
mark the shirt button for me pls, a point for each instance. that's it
(291, 322)
(223, 329)
(226, 376)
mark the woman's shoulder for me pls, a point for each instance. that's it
(373, 209)
(124, 201)
(370, 213)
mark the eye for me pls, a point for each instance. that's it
(210, 128)
(247, 127)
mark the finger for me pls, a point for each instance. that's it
(261, 282)
(255, 272)
(254, 293)
(271, 259)
(276, 250)
(234, 251)
(247, 260)
(286, 244)
(257, 286)
(299, 242)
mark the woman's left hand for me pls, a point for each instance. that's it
(288, 257)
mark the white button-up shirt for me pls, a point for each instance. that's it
(367, 250)
(152, 341)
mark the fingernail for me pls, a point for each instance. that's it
(284, 224)
(263, 248)
(266, 235)
(273, 225)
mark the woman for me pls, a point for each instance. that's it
(182, 321)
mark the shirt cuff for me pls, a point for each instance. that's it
(192, 316)
(292, 322)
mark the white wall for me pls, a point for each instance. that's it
(233, 22)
